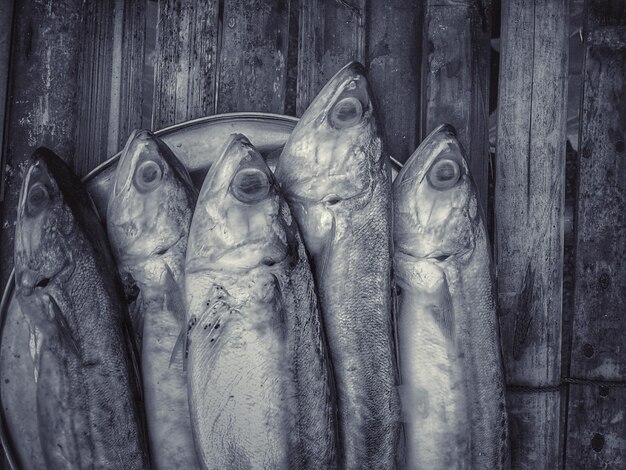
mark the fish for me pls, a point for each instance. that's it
(148, 218)
(335, 175)
(448, 335)
(89, 403)
(260, 387)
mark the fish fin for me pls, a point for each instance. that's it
(328, 250)
(56, 315)
(34, 343)
(174, 296)
(136, 312)
(181, 347)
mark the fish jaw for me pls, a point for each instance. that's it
(326, 157)
(436, 213)
(237, 225)
(150, 206)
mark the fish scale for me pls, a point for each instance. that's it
(258, 375)
(443, 268)
(89, 404)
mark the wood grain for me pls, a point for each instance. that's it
(186, 55)
(253, 56)
(599, 322)
(394, 46)
(455, 77)
(529, 182)
(128, 68)
(6, 25)
(332, 33)
(43, 108)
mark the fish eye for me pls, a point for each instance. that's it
(38, 198)
(444, 174)
(250, 185)
(147, 176)
(346, 113)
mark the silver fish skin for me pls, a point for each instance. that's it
(260, 389)
(89, 404)
(444, 271)
(336, 178)
(148, 220)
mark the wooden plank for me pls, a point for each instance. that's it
(332, 33)
(43, 105)
(394, 36)
(456, 77)
(6, 25)
(128, 68)
(599, 321)
(94, 91)
(253, 56)
(186, 54)
(596, 435)
(529, 182)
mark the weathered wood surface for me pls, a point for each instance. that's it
(332, 33)
(6, 25)
(186, 58)
(599, 323)
(253, 56)
(43, 108)
(128, 63)
(456, 77)
(529, 181)
(94, 84)
(394, 47)
(596, 437)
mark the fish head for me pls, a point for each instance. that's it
(436, 211)
(52, 207)
(238, 224)
(151, 204)
(327, 161)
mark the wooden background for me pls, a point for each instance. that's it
(80, 75)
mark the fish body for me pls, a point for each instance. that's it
(259, 386)
(148, 220)
(89, 405)
(451, 362)
(336, 178)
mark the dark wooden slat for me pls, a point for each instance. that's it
(43, 106)
(6, 24)
(456, 77)
(332, 33)
(128, 67)
(186, 54)
(530, 165)
(597, 428)
(394, 36)
(94, 91)
(599, 321)
(253, 56)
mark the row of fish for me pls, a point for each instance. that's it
(313, 317)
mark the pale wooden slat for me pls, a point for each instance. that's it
(394, 36)
(332, 33)
(530, 165)
(186, 54)
(599, 321)
(456, 77)
(43, 106)
(253, 56)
